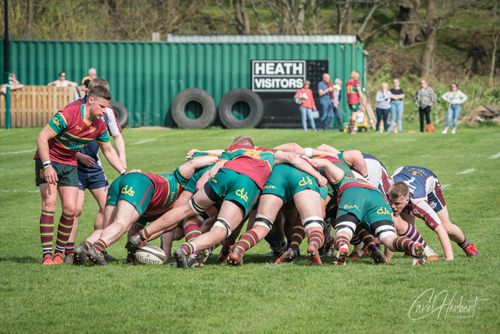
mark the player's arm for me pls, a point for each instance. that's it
(189, 168)
(42, 142)
(422, 209)
(333, 173)
(299, 163)
(355, 157)
(53, 83)
(326, 148)
(297, 149)
(120, 148)
(112, 157)
(361, 95)
(210, 152)
(116, 133)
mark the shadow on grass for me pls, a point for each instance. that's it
(25, 259)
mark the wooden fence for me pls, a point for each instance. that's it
(34, 106)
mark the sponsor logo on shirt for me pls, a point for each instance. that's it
(129, 192)
(303, 182)
(243, 196)
(415, 172)
(383, 211)
(433, 204)
(346, 207)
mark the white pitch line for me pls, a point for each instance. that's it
(143, 141)
(495, 156)
(468, 171)
(18, 152)
(445, 186)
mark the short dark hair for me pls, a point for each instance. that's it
(398, 189)
(100, 92)
(98, 82)
(242, 140)
(454, 84)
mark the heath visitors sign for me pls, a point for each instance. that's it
(278, 75)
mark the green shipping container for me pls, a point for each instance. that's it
(146, 76)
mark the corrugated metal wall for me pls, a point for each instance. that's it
(146, 77)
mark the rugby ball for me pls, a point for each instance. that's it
(150, 254)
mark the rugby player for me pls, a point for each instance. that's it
(354, 97)
(239, 176)
(416, 192)
(56, 167)
(360, 203)
(137, 197)
(90, 173)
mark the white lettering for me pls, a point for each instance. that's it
(269, 68)
(279, 69)
(260, 68)
(288, 67)
(284, 83)
(259, 83)
(298, 68)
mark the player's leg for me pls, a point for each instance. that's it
(456, 234)
(345, 225)
(68, 196)
(268, 208)
(70, 245)
(48, 194)
(311, 211)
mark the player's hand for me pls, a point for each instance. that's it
(51, 175)
(134, 171)
(191, 153)
(322, 181)
(87, 160)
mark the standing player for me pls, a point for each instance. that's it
(56, 166)
(239, 177)
(416, 191)
(354, 97)
(90, 173)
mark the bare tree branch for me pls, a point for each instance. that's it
(258, 17)
(235, 23)
(368, 17)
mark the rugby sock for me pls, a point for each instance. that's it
(87, 245)
(298, 234)
(247, 241)
(188, 248)
(144, 234)
(70, 246)
(47, 231)
(100, 245)
(352, 123)
(341, 242)
(413, 234)
(464, 244)
(191, 231)
(63, 232)
(366, 238)
(403, 244)
(355, 240)
(317, 239)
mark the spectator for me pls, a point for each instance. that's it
(13, 80)
(62, 82)
(325, 90)
(424, 99)
(307, 105)
(397, 106)
(455, 98)
(88, 79)
(336, 103)
(383, 99)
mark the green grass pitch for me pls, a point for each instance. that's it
(260, 297)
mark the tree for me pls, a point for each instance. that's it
(409, 34)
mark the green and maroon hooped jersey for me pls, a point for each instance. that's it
(73, 133)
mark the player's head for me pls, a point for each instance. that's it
(98, 82)
(398, 195)
(326, 77)
(306, 83)
(92, 72)
(243, 140)
(355, 75)
(98, 101)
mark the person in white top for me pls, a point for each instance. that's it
(455, 98)
(62, 82)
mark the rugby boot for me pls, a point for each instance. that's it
(418, 254)
(224, 254)
(236, 258)
(430, 254)
(79, 255)
(57, 258)
(47, 260)
(97, 257)
(358, 252)
(133, 243)
(108, 257)
(313, 256)
(378, 257)
(68, 258)
(472, 251)
(329, 252)
(192, 261)
(341, 257)
(199, 259)
(181, 258)
(289, 256)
